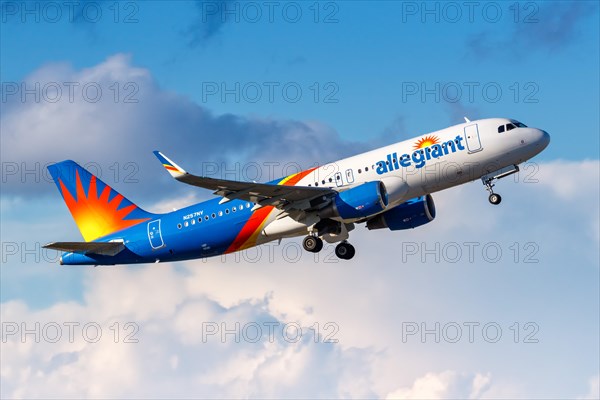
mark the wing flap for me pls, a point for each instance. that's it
(100, 248)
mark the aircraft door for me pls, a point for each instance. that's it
(154, 234)
(472, 138)
(349, 176)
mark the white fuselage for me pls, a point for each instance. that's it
(426, 164)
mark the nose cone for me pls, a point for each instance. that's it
(543, 140)
(537, 140)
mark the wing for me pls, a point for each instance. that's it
(281, 195)
(100, 248)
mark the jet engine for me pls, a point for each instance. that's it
(410, 214)
(358, 202)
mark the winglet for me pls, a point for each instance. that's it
(175, 170)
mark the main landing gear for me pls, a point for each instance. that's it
(345, 250)
(314, 244)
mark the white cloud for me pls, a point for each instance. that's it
(173, 344)
(594, 389)
(117, 134)
(444, 385)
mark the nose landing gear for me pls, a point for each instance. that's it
(494, 198)
(488, 181)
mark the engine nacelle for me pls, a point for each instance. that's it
(396, 189)
(410, 214)
(358, 202)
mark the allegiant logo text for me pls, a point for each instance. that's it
(428, 148)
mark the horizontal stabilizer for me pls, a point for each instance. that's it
(100, 248)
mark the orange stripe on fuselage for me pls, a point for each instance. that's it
(247, 236)
(295, 178)
(252, 228)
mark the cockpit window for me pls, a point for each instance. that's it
(520, 125)
(510, 127)
(501, 129)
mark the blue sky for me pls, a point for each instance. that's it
(361, 68)
(369, 51)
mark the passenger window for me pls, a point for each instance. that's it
(185, 224)
(220, 213)
(200, 220)
(178, 226)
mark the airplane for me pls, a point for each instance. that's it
(385, 188)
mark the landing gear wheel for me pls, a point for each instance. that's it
(345, 251)
(495, 198)
(313, 244)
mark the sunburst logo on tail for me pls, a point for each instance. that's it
(426, 141)
(97, 216)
